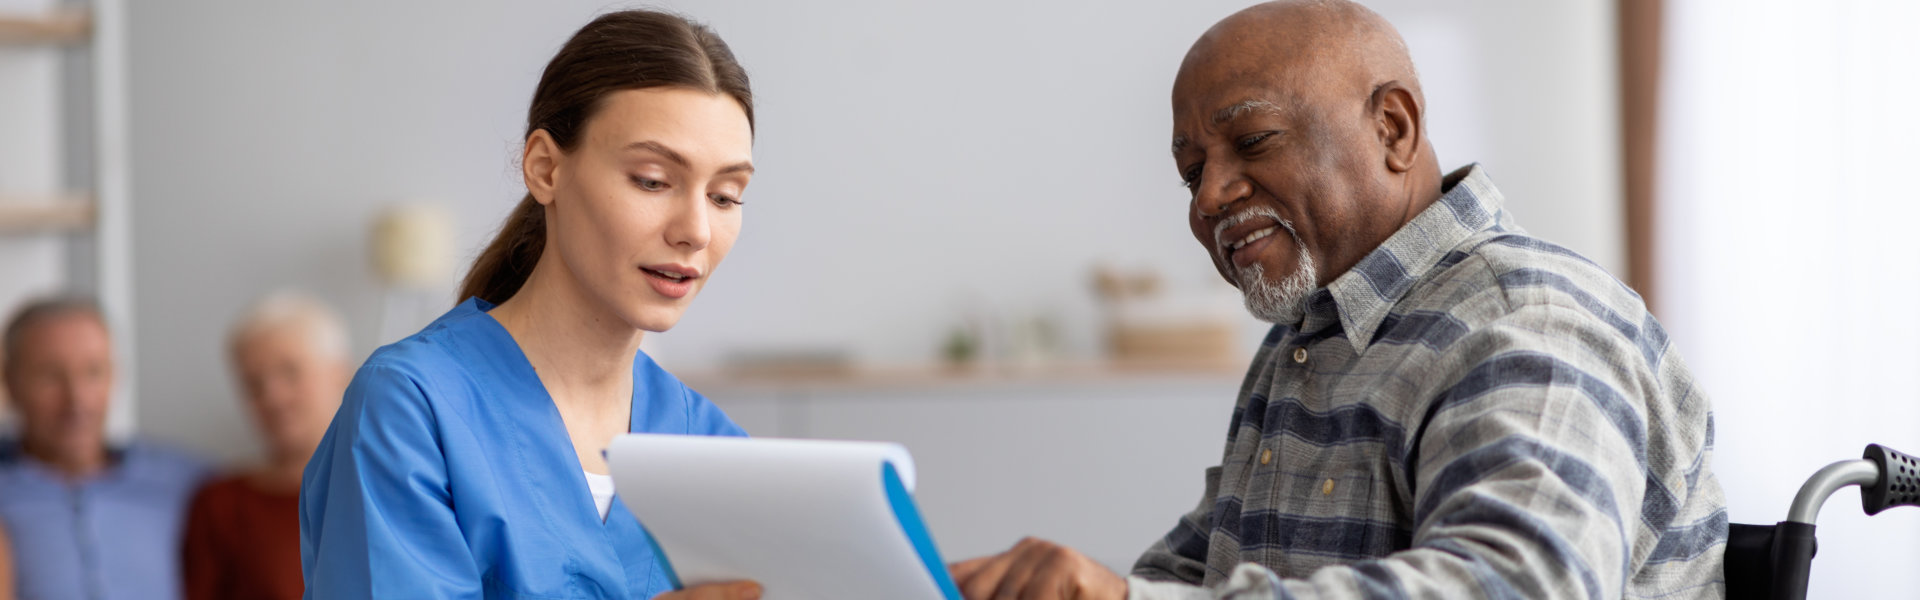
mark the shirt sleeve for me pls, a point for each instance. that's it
(376, 516)
(1529, 477)
(1181, 555)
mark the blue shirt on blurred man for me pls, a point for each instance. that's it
(87, 519)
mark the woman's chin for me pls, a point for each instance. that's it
(655, 319)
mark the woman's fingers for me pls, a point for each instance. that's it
(732, 590)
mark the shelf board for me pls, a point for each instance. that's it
(56, 28)
(854, 377)
(59, 213)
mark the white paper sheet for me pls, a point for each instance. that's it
(808, 519)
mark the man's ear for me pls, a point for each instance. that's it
(540, 165)
(1399, 122)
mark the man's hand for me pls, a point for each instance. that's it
(732, 590)
(1037, 570)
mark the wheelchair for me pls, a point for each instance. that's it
(1771, 562)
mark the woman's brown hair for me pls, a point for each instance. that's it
(626, 50)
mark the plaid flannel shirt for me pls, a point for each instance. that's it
(1470, 412)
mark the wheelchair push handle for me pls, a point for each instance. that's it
(1899, 481)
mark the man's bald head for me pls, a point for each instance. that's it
(1335, 48)
(1302, 116)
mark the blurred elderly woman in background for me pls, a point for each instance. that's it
(243, 531)
(6, 566)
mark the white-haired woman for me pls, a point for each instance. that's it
(290, 356)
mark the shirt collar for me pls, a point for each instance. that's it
(1361, 298)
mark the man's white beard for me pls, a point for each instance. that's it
(1283, 302)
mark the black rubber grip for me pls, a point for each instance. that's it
(1899, 483)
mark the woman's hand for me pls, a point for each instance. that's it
(732, 590)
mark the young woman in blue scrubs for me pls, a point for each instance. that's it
(465, 460)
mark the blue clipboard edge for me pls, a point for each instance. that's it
(916, 529)
(904, 510)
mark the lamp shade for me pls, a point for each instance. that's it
(413, 245)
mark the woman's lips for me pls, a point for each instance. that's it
(666, 286)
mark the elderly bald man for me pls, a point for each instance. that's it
(1446, 407)
(291, 358)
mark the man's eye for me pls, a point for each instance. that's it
(651, 185)
(1249, 141)
(1191, 178)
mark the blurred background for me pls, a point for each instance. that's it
(965, 233)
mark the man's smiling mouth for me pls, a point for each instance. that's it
(1253, 237)
(1243, 231)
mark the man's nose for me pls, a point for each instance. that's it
(1218, 189)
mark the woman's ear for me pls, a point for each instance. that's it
(540, 165)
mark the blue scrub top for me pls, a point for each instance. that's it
(448, 474)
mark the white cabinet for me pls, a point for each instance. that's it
(1105, 463)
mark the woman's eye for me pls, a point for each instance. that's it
(651, 185)
(725, 201)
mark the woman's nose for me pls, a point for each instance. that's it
(689, 227)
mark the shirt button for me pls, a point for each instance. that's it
(1300, 354)
(1326, 489)
(1266, 456)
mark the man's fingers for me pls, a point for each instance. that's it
(1024, 568)
(980, 583)
(1055, 571)
(964, 569)
(1054, 582)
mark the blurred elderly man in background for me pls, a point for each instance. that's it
(290, 355)
(1446, 407)
(89, 519)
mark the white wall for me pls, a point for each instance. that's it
(1787, 275)
(917, 160)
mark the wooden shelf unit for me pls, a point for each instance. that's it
(65, 218)
(60, 213)
(70, 27)
(868, 377)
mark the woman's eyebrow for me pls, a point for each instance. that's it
(670, 154)
(675, 157)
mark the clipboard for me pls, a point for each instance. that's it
(807, 519)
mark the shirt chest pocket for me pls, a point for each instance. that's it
(1303, 479)
(1308, 504)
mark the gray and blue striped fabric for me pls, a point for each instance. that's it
(1470, 412)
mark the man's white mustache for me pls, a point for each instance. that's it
(1243, 216)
